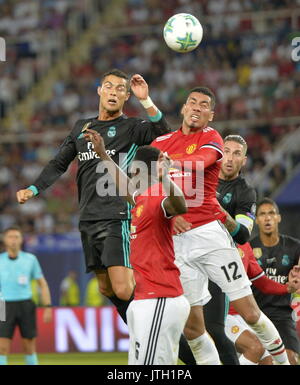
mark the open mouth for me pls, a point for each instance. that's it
(112, 102)
(195, 118)
(268, 226)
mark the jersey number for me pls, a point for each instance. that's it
(137, 346)
(231, 266)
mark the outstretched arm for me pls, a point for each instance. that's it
(175, 203)
(52, 171)
(120, 178)
(145, 132)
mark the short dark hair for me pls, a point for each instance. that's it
(147, 154)
(238, 139)
(267, 201)
(205, 91)
(12, 228)
(119, 74)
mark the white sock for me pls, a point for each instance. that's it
(204, 350)
(244, 361)
(270, 338)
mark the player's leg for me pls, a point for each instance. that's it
(154, 332)
(194, 284)
(246, 342)
(227, 270)
(4, 349)
(262, 326)
(215, 313)
(28, 330)
(7, 329)
(122, 281)
(29, 349)
(224, 267)
(106, 245)
(289, 335)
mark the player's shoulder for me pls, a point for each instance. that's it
(210, 137)
(165, 137)
(82, 124)
(245, 186)
(290, 241)
(255, 242)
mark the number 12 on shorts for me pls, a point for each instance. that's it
(231, 269)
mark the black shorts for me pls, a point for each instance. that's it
(288, 333)
(22, 314)
(105, 243)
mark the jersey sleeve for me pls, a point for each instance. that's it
(145, 131)
(36, 269)
(254, 271)
(215, 142)
(60, 163)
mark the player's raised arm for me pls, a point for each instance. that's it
(175, 203)
(146, 132)
(119, 177)
(52, 171)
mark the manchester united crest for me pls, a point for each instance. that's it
(190, 149)
(139, 211)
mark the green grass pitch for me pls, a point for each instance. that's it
(74, 359)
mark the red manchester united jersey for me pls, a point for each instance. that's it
(199, 188)
(253, 270)
(152, 252)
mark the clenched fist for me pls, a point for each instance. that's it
(24, 195)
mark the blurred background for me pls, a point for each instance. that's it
(56, 52)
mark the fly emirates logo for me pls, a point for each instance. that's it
(91, 154)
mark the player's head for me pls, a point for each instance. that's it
(234, 158)
(198, 109)
(145, 161)
(267, 216)
(114, 91)
(12, 238)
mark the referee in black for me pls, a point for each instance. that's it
(104, 217)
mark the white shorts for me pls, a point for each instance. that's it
(208, 252)
(155, 326)
(235, 325)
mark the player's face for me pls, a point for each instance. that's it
(233, 160)
(13, 239)
(197, 111)
(267, 219)
(113, 93)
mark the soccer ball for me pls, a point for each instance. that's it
(183, 32)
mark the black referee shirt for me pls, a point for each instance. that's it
(121, 136)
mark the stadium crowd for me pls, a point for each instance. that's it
(246, 61)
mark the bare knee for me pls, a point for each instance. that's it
(256, 349)
(29, 347)
(123, 290)
(251, 316)
(194, 326)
